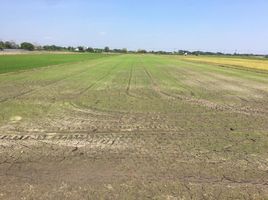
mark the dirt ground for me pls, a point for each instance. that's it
(134, 127)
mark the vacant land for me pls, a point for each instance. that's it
(134, 127)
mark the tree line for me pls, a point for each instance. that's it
(30, 47)
(13, 45)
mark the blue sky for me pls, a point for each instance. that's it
(212, 25)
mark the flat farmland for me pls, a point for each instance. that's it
(252, 63)
(134, 127)
(11, 63)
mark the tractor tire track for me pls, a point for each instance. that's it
(98, 80)
(128, 88)
(129, 80)
(155, 86)
(203, 102)
(48, 85)
(17, 96)
(92, 112)
(116, 141)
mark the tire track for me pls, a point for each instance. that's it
(52, 136)
(99, 80)
(129, 80)
(17, 96)
(155, 85)
(49, 84)
(89, 111)
(95, 141)
(204, 102)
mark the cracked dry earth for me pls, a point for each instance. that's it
(134, 127)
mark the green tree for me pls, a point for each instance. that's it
(141, 51)
(71, 48)
(106, 49)
(2, 45)
(53, 48)
(89, 49)
(27, 46)
(97, 50)
(81, 49)
(124, 50)
(10, 45)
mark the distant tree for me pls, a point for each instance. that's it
(96, 50)
(124, 50)
(141, 51)
(106, 49)
(183, 52)
(161, 52)
(266, 56)
(196, 53)
(10, 45)
(53, 48)
(2, 45)
(38, 47)
(27, 46)
(70, 48)
(80, 48)
(47, 47)
(90, 49)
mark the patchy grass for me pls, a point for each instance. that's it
(157, 126)
(11, 63)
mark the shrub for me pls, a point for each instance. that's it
(27, 46)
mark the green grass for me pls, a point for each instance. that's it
(11, 63)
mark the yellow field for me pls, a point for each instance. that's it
(260, 64)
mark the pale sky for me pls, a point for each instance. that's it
(209, 25)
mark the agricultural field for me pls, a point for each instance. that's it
(11, 63)
(133, 127)
(252, 63)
